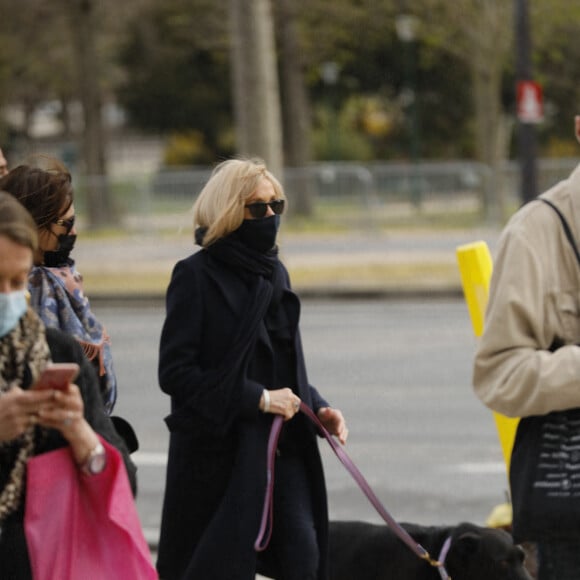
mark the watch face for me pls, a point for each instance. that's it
(98, 462)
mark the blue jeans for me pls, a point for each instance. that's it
(559, 560)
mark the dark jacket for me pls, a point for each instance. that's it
(14, 563)
(216, 474)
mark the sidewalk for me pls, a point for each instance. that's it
(418, 263)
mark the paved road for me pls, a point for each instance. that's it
(399, 370)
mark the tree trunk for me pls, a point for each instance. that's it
(486, 59)
(255, 82)
(295, 107)
(486, 92)
(83, 26)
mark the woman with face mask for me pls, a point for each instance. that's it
(34, 421)
(55, 285)
(231, 359)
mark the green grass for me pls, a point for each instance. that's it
(370, 276)
(122, 283)
(374, 275)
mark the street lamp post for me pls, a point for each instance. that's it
(526, 129)
(406, 26)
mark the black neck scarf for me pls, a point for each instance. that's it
(241, 258)
(248, 262)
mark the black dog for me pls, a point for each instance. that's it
(363, 551)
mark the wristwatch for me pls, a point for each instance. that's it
(96, 461)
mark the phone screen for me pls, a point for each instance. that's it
(57, 376)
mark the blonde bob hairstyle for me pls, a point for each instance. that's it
(219, 208)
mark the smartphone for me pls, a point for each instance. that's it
(57, 376)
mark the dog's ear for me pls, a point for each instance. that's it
(466, 544)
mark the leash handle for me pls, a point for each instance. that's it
(265, 532)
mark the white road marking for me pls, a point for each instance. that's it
(478, 468)
(159, 459)
(149, 459)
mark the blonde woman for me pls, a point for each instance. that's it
(231, 359)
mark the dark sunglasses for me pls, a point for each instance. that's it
(259, 208)
(67, 224)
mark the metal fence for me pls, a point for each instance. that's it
(343, 194)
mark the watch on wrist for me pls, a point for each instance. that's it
(96, 461)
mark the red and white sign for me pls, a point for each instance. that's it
(530, 102)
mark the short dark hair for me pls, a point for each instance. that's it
(46, 193)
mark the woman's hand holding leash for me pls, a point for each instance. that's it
(284, 402)
(333, 422)
(280, 402)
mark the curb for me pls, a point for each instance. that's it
(451, 292)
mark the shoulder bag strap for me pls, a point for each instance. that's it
(565, 225)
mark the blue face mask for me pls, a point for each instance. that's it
(12, 307)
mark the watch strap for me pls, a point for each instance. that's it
(96, 461)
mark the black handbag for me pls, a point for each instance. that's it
(545, 466)
(545, 476)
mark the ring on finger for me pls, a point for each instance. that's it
(297, 405)
(68, 419)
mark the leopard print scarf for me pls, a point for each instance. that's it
(23, 355)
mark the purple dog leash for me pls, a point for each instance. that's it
(265, 532)
(267, 514)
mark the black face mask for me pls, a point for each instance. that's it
(60, 257)
(259, 234)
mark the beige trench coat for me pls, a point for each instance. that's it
(534, 302)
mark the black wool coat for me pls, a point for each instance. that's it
(216, 473)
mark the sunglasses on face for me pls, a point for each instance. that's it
(259, 209)
(68, 224)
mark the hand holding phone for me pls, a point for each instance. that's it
(57, 376)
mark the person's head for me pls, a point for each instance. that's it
(238, 190)
(3, 164)
(18, 242)
(47, 193)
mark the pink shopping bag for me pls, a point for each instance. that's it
(80, 526)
